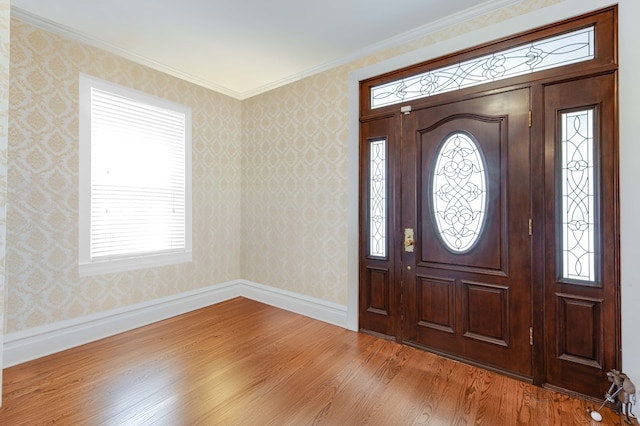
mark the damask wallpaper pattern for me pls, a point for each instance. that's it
(269, 180)
(295, 173)
(295, 187)
(44, 285)
(4, 123)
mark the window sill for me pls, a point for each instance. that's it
(110, 266)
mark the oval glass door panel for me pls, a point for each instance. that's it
(459, 192)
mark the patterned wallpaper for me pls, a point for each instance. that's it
(269, 180)
(42, 235)
(4, 122)
(294, 185)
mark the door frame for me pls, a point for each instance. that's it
(606, 65)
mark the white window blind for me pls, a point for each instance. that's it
(138, 190)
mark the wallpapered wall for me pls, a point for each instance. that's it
(269, 180)
(294, 187)
(4, 118)
(295, 173)
(42, 235)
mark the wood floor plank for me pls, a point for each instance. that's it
(245, 363)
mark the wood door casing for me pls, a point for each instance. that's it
(474, 305)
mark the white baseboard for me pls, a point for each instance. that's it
(37, 342)
(311, 307)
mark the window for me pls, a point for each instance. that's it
(578, 174)
(378, 198)
(459, 192)
(564, 49)
(135, 179)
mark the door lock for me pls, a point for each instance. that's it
(408, 240)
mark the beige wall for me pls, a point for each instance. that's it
(295, 171)
(42, 230)
(294, 193)
(4, 114)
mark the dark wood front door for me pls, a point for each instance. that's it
(466, 196)
(489, 216)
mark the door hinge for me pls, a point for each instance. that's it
(531, 336)
(530, 227)
(530, 118)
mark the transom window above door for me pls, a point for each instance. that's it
(576, 46)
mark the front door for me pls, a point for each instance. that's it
(489, 215)
(466, 207)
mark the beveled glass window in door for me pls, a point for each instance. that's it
(459, 192)
(578, 216)
(378, 198)
(552, 52)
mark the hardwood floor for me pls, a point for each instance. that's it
(244, 363)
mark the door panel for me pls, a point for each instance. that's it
(581, 278)
(487, 255)
(480, 300)
(473, 303)
(436, 303)
(379, 307)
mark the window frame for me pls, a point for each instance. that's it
(86, 265)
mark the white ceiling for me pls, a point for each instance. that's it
(245, 47)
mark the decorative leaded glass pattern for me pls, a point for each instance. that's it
(578, 193)
(378, 198)
(539, 55)
(459, 192)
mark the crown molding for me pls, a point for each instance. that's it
(425, 30)
(72, 34)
